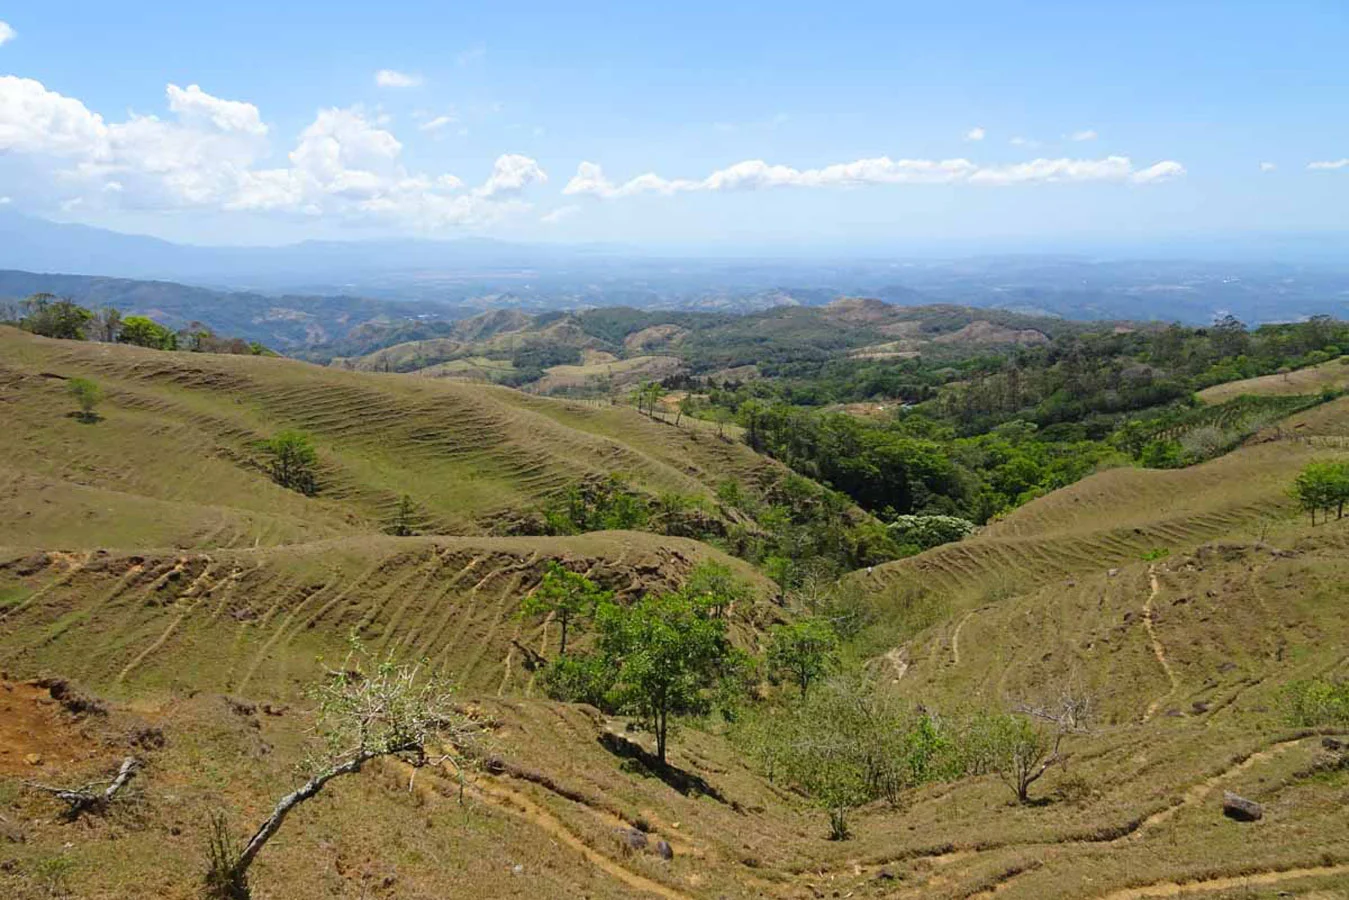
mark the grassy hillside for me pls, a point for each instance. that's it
(150, 561)
(182, 429)
(1333, 375)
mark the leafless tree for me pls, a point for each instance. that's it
(364, 711)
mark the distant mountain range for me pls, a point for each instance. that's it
(460, 277)
(282, 321)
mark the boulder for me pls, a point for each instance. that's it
(630, 839)
(1241, 809)
(664, 850)
(1334, 745)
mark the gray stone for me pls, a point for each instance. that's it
(1241, 809)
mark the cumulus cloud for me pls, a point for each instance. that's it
(391, 78)
(1328, 165)
(757, 174)
(1086, 134)
(210, 155)
(976, 133)
(227, 115)
(7, 33)
(1267, 167)
(511, 174)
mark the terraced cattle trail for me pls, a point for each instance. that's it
(1157, 649)
(1225, 883)
(499, 794)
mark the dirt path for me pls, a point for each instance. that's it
(1259, 879)
(494, 792)
(1157, 649)
(955, 637)
(1196, 793)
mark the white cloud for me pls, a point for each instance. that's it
(391, 78)
(757, 174)
(1087, 134)
(511, 174)
(1328, 164)
(7, 33)
(976, 133)
(560, 214)
(1267, 167)
(1019, 141)
(36, 120)
(437, 123)
(1162, 171)
(227, 115)
(209, 155)
(5, 201)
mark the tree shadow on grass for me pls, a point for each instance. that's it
(687, 783)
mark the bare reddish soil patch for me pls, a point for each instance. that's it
(37, 735)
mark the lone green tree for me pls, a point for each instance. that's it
(369, 708)
(1322, 486)
(146, 332)
(87, 395)
(401, 526)
(666, 655)
(803, 652)
(292, 461)
(567, 595)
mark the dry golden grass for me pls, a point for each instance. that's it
(1311, 380)
(182, 428)
(224, 584)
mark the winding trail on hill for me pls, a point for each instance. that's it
(1157, 649)
(1198, 792)
(497, 794)
(955, 637)
(1257, 879)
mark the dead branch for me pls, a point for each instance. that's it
(90, 798)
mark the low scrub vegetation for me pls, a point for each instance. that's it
(1317, 703)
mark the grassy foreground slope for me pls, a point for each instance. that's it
(200, 652)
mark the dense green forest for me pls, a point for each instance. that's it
(978, 436)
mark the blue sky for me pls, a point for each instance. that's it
(762, 125)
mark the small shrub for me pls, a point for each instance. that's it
(223, 881)
(87, 395)
(1317, 703)
(293, 462)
